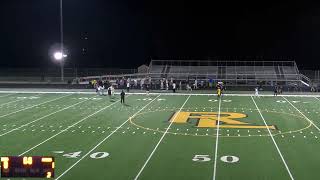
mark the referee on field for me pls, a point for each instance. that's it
(122, 94)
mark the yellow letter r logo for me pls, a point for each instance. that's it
(210, 119)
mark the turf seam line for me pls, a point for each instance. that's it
(217, 141)
(303, 114)
(69, 127)
(155, 148)
(34, 106)
(42, 118)
(135, 114)
(273, 140)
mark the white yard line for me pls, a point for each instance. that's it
(217, 141)
(302, 114)
(42, 118)
(274, 142)
(33, 106)
(69, 127)
(105, 138)
(155, 148)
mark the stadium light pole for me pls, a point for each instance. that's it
(61, 54)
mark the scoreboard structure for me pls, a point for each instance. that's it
(33, 166)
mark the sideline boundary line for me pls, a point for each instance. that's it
(302, 113)
(42, 117)
(34, 106)
(90, 115)
(273, 140)
(162, 93)
(135, 114)
(155, 148)
(217, 141)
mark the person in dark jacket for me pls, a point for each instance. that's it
(122, 94)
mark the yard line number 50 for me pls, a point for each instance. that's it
(205, 158)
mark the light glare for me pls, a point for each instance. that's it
(58, 55)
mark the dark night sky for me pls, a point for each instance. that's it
(126, 33)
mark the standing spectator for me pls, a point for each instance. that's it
(275, 91)
(167, 85)
(280, 89)
(189, 87)
(147, 90)
(174, 87)
(161, 84)
(128, 86)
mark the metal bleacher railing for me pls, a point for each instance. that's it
(238, 73)
(235, 72)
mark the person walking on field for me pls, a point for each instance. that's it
(256, 92)
(122, 94)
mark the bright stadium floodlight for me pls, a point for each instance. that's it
(58, 56)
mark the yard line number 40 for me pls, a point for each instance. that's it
(96, 155)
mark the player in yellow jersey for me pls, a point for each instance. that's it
(219, 92)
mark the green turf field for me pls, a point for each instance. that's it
(165, 137)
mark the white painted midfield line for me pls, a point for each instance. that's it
(217, 141)
(302, 114)
(69, 127)
(155, 148)
(135, 114)
(42, 117)
(274, 142)
(34, 106)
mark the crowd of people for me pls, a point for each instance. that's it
(165, 85)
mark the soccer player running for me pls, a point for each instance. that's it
(218, 92)
(256, 92)
(122, 94)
